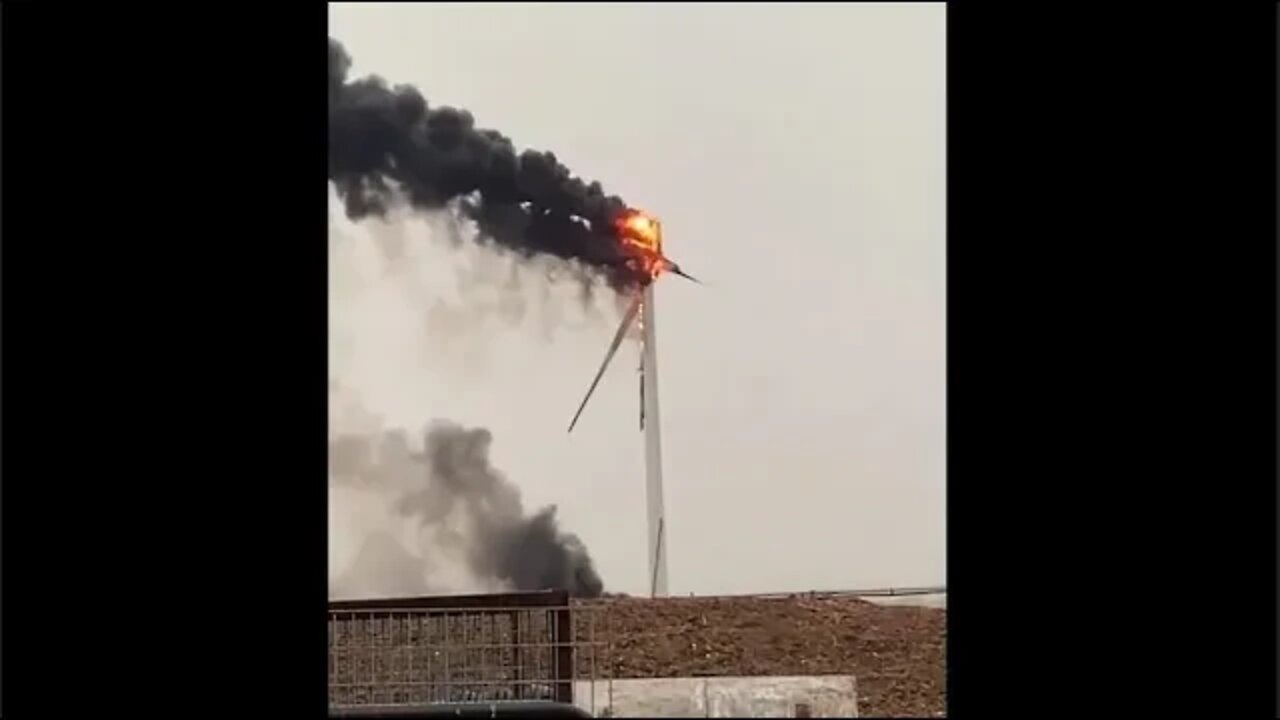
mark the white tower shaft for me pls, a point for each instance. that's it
(653, 452)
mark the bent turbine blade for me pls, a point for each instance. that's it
(625, 325)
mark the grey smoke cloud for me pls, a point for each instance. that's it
(390, 321)
(388, 146)
(466, 507)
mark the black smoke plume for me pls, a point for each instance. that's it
(452, 489)
(387, 145)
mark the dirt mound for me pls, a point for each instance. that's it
(897, 654)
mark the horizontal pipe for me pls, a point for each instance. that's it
(516, 709)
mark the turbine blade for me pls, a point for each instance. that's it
(625, 325)
(686, 275)
(642, 388)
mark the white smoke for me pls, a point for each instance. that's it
(408, 306)
(380, 327)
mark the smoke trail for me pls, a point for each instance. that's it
(469, 509)
(386, 144)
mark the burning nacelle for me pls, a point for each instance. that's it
(641, 236)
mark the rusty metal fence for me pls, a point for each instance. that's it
(479, 648)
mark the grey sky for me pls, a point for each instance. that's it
(796, 156)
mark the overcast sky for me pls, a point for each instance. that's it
(796, 156)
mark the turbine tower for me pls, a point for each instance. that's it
(651, 425)
(641, 241)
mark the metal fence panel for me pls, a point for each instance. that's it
(477, 648)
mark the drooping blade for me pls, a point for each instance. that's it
(642, 389)
(623, 327)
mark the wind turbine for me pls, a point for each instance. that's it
(641, 237)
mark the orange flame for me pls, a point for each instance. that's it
(641, 236)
